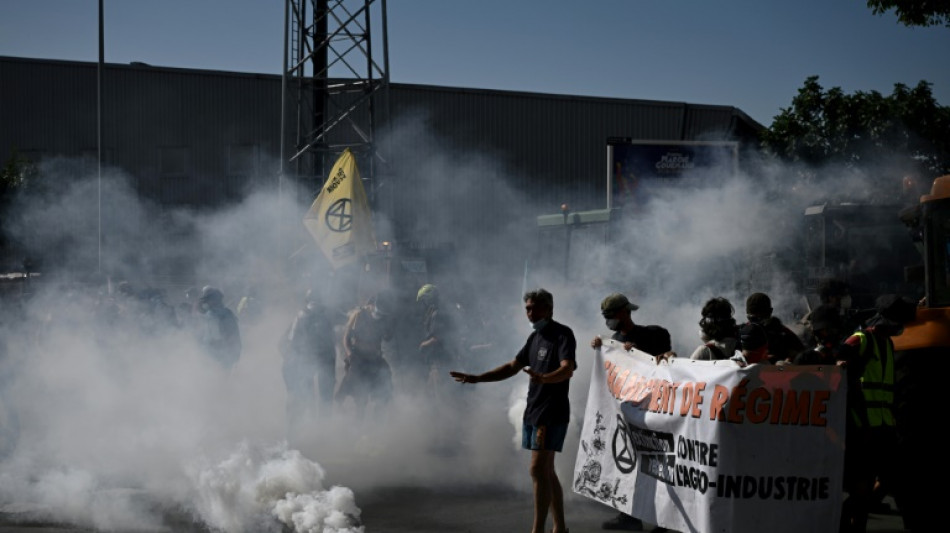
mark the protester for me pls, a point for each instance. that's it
(825, 330)
(783, 343)
(439, 347)
(218, 332)
(718, 331)
(307, 348)
(616, 310)
(754, 343)
(836, 293)
(548, 357)
(654, 340)
(871, 436)
(367, 377)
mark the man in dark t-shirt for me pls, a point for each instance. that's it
(548, 358)
(616, 310)
(784, 344)
(654, 340)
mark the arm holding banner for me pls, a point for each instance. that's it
(599, 341)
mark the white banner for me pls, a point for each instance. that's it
(706, 446)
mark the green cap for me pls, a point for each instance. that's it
(426, 290)
(616, 302)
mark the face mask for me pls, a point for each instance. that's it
(846, 302)
(539, 324)
(613, 324)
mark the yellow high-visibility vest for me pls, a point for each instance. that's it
(877, 384)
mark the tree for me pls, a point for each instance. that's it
(15, 175)
(915, 12)
(906, 132)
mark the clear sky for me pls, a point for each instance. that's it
(750, 54)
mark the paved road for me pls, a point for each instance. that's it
(494, 510)
(482, 509)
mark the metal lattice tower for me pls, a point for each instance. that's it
(333, 86)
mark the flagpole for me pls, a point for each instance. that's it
(99, 138)
(283, 134)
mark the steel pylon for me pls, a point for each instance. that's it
(335, 79)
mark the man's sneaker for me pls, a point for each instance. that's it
(623, 522)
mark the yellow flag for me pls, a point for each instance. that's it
(340, 219)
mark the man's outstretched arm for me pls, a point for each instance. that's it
(503, 372)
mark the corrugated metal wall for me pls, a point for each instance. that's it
(547, 150)
(177, 132)
(553, 145)
(198, 137)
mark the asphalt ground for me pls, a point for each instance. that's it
(477, 509)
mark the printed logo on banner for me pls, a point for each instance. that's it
(589, 481)
(655, 448)
(624, 456)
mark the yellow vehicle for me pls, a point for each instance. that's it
(921, 360)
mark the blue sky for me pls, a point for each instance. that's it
(753, 55)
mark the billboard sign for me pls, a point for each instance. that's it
(634, 166)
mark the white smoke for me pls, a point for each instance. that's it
(241, 491)
(120, 429)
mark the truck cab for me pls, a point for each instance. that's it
(922, 356)
(861, 244)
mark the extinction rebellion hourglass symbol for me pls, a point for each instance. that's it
(339, 216)
(624, 451)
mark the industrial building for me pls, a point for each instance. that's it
(456, 160)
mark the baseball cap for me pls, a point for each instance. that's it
(425, 290)
(616, 302)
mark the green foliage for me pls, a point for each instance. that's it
(907, 131)
(17, 171)
(915, 12)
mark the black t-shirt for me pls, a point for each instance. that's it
(548, 403)
(654, 340)
(783, 343)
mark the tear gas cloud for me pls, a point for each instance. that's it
(122, 427)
